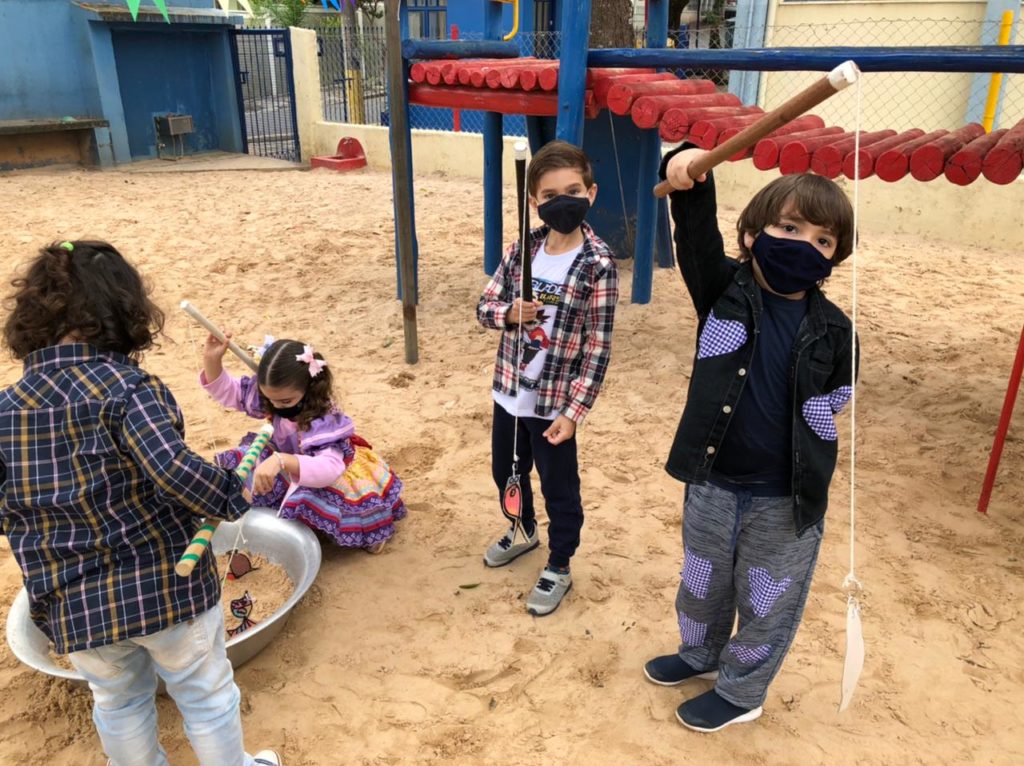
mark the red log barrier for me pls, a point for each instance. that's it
(508, 76)
(450, 72)
(621, 96)
(472, 72)
(706, 131)
(928, 161)
(648, 110)
(434, 72)
(487, 100)
(600, 74)
(964, 167)
(602, 86)
(676, 122)
(418, 71)
(767, 150)
(800, 124)
(869, 154)
(1004, 163)
(894, 163)
(795, 156)
(828, 160)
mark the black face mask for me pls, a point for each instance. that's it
(563, 213)
(789, 265)
(289, 413)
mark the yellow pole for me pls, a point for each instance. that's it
(997, 78)
(515, 19)
(356, 105)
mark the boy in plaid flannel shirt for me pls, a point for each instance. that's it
(566, 335)
(99, 495)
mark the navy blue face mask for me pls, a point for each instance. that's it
(564, 213)
(289, 413)
(789, 265)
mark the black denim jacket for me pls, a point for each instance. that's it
(728, 303)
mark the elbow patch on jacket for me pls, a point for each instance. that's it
(820, 412)
(720, 336)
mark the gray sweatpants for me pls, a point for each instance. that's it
(741, 553)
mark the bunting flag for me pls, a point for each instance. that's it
(133, 6)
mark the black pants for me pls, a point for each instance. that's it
(559, 479)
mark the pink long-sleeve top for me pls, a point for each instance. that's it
(320, 450)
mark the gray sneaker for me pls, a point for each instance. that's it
(548, 592)
(505, 551)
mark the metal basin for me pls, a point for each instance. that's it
(289, 544)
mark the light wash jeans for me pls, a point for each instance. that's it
(191, 659)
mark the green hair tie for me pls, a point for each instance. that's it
(68, 246)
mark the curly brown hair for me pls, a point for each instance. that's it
(279, 368)
(84, 290)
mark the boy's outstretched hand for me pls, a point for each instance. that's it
(675, 172)
(561, 430)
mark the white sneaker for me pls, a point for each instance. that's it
(548, 592)
(504, 551)
(267, 758)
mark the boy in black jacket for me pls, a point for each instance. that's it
(757, 443)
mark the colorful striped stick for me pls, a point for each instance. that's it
(201, 540)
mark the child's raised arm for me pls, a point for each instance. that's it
(699, 250)
(153, 436)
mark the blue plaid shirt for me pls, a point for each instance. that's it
(99, 496)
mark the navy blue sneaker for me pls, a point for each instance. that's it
(708, 712)
(670, 670)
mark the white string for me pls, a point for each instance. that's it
(851, 582)
(622, 191)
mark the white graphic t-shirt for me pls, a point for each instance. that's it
(549, 275)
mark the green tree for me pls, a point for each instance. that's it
(280, 13)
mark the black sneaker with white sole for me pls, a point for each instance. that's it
(708, 712)
(671, 670)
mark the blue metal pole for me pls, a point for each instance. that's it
(998, 58)
(461, 49)
(647, 176)
(751, 20)
(493, 145)
(572, 70)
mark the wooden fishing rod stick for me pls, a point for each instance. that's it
(201, 540)
(843, 75)
(237, 350)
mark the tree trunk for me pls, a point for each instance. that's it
(611, 24)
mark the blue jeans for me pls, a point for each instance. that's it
(191, 659)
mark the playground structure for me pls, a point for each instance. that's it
(572, 92)
(490, 74)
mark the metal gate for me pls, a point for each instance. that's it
(264, 82)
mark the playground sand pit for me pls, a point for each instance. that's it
(391, 660)
(254, 596)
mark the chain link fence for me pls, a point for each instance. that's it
(352, 70)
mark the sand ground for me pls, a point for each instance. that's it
(389, 661)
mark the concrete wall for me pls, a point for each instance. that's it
(889, 100)
(43, 50)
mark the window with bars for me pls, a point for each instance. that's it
(428, 19)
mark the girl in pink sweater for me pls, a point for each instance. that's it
(316, 470)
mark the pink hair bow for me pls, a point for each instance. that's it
(315, 365)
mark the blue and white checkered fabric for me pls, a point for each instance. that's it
(691, 631)
(750, 655)
(764, 590)
(720, 336)
(819, 412)
(696, 574)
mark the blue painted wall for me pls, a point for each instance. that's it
(43, 50)
(177, 69)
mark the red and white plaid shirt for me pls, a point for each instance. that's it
(581, 340)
